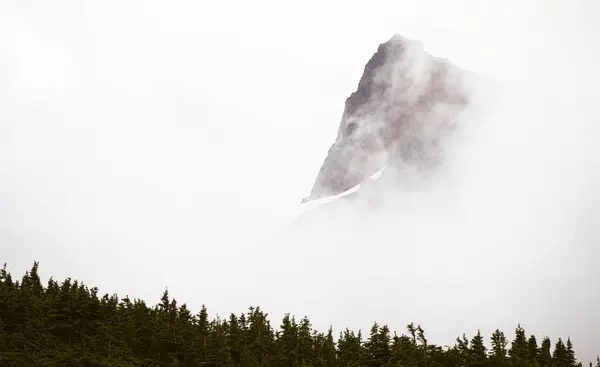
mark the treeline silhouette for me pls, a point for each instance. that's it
(68, 324)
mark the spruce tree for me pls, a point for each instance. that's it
(559, 356)
(201, 336)
(403, 352)
(329, 352)
(413, 332)
(305, 342)
(463, 350)
(499, 344)
(218, 354)
(288, 342)
(570, 359)
(545, 355)
(478, 351)
(377, 347)
(235, 340)
(423, 347)
(519, 350)
(349, 348)
(532, 349)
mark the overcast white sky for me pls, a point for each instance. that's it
(146, 144)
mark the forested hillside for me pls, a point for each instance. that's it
(68, 324)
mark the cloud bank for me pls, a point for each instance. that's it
(144, 146)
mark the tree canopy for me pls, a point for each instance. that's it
(69, 324)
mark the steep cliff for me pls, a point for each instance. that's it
(404, 106)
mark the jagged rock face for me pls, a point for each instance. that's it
(404, 106)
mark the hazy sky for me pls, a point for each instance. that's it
(148, 144)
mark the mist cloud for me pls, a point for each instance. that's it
(163, 146)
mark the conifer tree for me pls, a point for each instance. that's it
(377, 347)
(235, 341)
(519, 350)
(424, 347)
(34, 284)
(570, 359)
(463, 350)
(403, 351)
(288, 342)
(201, 336)
(478, 350)
(559, 356)
(413, 332)
(305, 342)
(545, 355)
(329, 352)
(499, 344)
(349, 348)
(532, 349)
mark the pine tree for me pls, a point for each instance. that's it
(424, 347)
(499, 344)
(329, 352)
(416, 358)
(259, 336)
(349, 348)
(201, 336)
(288, 342)
(305, 342)
(463, 350)
(519, 350)
(559, 356)
(532, 349)
(235, 341)
(570, 359)
(478, 351)
(35, 284)
(184, 336)
(403, 351)
(377, 348)
(218, 354)
(7, 298)
(545, 355)
(413, 332)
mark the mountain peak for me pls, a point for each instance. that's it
(403, 107)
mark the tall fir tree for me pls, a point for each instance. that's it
(478, 351)
(499, 344)
(519, 349)
(532, 350)
(570, 359)
(305, 342)
(463, 350)
(403, 351)
(288, 342)
(349, 348)
(559, 356)
(377, 347)
(545, 355)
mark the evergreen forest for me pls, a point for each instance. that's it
(67, 324)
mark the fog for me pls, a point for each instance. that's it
(146, 145)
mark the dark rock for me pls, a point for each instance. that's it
(405, 104)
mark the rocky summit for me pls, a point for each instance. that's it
(405, 105)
